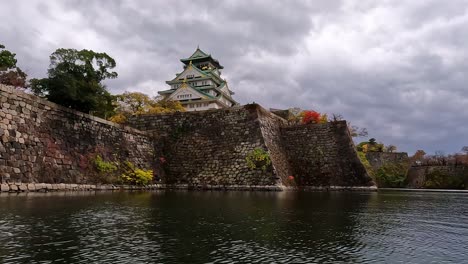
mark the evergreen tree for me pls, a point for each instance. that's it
(75, 81)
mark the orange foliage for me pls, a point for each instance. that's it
(311, 117)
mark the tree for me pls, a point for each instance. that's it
(10, 74)
(310, 117)
(370, 146)
(418, 155)
(357, 131)
(465, 149)
(135, 103)
(75, 81)
(391, 148)
(336, 117)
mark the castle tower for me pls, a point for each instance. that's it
(200, 86)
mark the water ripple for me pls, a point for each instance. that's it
(236, 227)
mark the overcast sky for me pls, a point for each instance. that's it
(398, 68)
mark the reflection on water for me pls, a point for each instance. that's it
(234, 227)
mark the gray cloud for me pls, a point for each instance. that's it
(397, 68)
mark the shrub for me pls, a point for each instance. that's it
(104, 166)
(440, 179)
(133, 175)
(365, 162)
(118, 118)
(392, 175)
(309, 117)
(258, 158)
(106, 171)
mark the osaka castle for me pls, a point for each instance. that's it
(200, 86)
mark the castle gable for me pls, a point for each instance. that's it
(186, 92)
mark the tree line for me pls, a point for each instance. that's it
(75, 80)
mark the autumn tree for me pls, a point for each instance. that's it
(299, 116)
(136, 103)
(370, 146)
(10, 74)
(418, 155)
(75, 80)
(310, 116)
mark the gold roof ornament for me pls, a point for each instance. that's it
(184, 83)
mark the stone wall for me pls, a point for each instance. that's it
(377, 159)
(324, 155)
(208, 147)
(43, 142)
(270, 125)
(418, 175)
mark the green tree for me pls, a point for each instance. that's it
(10, 74)
(75, 81)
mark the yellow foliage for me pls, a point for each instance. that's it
(133, 175)
(134, 103)
(119, 118)
(323, 119)
(365, 148)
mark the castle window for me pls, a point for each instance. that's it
(190, 76)
(184, 96)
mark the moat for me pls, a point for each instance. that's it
(233, 227)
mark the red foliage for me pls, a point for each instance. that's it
(310, 117)
(291, 178)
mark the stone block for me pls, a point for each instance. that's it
(4, 188)
(23, 187)
(31, 187)
(13, 187)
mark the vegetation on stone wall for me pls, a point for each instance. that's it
(386, 173)
(298, 116)
(365, 162)
(120, 172)
(104, 166)
(258, 159)
(313, 117)
(370, 146)
(135, 176)
(440, 179)
(392, 175)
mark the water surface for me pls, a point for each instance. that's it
(234, 227)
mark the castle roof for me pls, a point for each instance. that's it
(200, 56)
